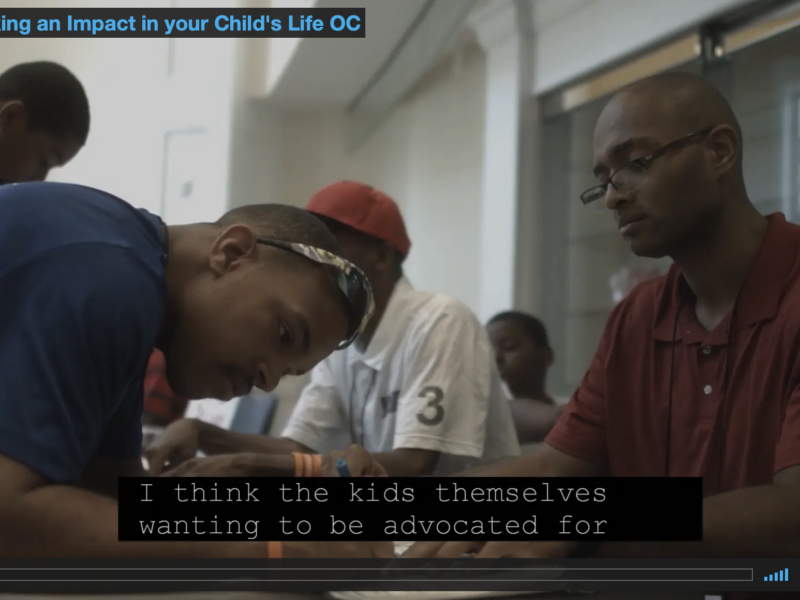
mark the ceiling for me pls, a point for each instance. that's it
(331, 74)
(546, 12)
(326, 73)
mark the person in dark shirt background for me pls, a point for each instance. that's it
(44, 120)
(523, 357)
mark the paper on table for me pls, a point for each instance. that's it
(400, 547)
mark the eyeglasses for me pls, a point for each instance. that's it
(632, 176)
(351, 281)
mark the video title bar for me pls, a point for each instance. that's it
(183, 23)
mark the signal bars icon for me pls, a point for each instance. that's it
(782, 575)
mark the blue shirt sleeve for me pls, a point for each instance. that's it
(122, 439)
(78, 324)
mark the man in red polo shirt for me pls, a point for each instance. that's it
(697, 372)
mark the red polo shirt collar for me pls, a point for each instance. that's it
(758, 300)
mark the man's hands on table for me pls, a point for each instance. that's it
(490, 549)
(224, 465)
(174, 448)
(359, 462)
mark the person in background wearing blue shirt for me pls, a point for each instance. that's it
(44, 120)
(89, 286)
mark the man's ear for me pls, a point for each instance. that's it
(724, 145)
(13, 116)
(235, 246)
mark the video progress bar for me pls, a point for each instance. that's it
(725, 575)
(392, 575)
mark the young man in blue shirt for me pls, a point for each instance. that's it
(89, 286)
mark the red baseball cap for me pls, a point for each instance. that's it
(363, 208)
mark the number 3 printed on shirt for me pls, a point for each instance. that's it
(434, 395)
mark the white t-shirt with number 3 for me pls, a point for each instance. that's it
(427, 380)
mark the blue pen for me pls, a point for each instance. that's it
(341, 468)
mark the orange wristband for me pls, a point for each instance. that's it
(307, 465)
(274, 550)
(316, 468)
(299, 464)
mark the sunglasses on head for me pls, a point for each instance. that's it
(349, 278)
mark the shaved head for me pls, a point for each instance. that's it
(673, 146)
(670, 105)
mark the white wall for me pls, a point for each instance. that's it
(123, 153)
(255, 151)
(428, 157)
(279, 51)
(255, 155)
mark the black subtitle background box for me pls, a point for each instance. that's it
(160, 14)
(634, 509)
